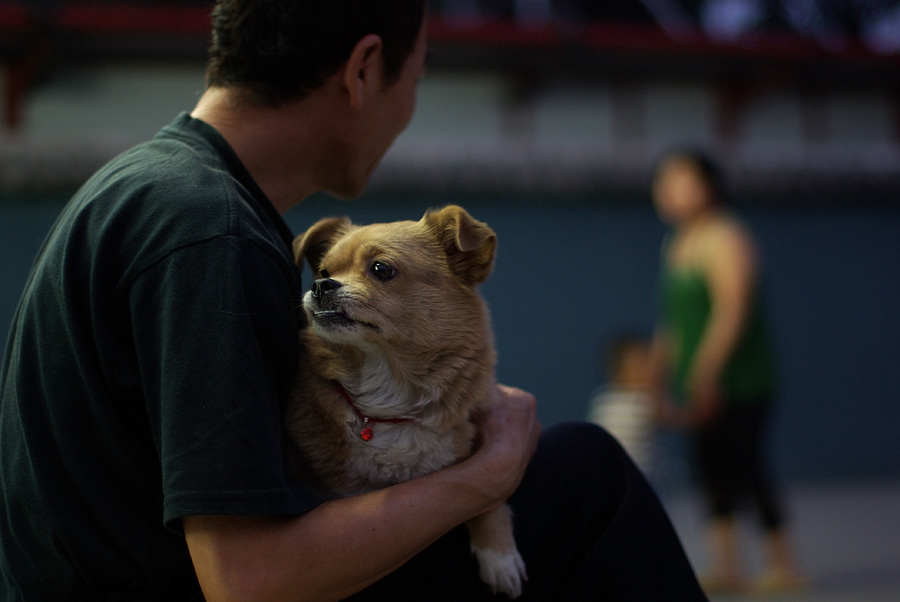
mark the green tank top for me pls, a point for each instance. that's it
(685, 309)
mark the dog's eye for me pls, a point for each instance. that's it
(382, 271)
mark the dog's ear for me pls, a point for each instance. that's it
(470, 245)
(315, 242)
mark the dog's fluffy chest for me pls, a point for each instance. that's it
(395, 453)
(387, 430)
(365, 429)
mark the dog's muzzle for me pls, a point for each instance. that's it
(323, 286)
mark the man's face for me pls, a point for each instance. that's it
(392, 109)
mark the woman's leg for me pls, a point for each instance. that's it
(721, 458)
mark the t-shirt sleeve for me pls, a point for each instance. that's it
(216, 337)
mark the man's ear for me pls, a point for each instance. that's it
(315, 242)
(363, 69)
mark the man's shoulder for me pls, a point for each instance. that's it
(174, 162)
(186, 175)
(158, 188)
(163, 195)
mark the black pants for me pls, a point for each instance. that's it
(588, 526)
(732, 463)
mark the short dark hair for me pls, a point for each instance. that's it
(280, 50)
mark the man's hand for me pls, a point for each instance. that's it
(508, 434)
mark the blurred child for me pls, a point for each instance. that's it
(625, 406)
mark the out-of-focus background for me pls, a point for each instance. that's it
(544, 118)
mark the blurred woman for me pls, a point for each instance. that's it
(713, 362)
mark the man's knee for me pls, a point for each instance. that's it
(577, 465)
(583, 445)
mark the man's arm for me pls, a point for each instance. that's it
(344, 545)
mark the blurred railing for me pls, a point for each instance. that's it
(584, 43)
(37, 34)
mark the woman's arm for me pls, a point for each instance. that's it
(731, 269)
(660, 368)
(344, 545)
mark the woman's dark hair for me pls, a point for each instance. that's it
(707, 168)
(279, 50)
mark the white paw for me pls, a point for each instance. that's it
(502, 571)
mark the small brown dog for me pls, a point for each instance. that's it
(398, 355)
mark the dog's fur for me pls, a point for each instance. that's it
(396, 319)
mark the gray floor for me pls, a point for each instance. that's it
(847, 536)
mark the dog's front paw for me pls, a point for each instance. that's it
(502, 571)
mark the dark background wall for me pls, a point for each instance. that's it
(569, 274)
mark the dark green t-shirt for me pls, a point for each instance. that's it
(748, 375)
(153, 347)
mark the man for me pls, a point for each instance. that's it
(155, 344)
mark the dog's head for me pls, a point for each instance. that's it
(409, 285)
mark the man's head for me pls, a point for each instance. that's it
(280, 50)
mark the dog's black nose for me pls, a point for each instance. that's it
(323, 285)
